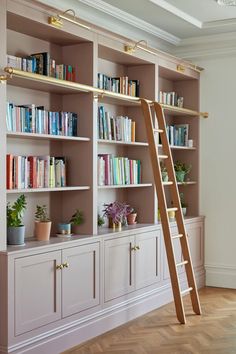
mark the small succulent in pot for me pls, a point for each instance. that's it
(184, 205)
(131, 217)
(181, 170)
(101, 220)
(164, 173)
(42, 223)
(15, 227)
(76, 220)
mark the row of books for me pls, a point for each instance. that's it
(178, 134)
(171, 98)
(120, 128)
(118, 170)
(119, 84)
(25, 172)
(43, 64)
(32, 119)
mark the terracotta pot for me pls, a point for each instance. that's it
(131, 218)
(42, 230)
(76, 229)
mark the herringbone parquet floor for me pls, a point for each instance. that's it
(159, 333)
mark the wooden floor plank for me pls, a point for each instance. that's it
(158, 332)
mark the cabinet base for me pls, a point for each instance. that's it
(64, 338)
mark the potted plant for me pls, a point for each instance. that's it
(42, 226)
(15, 227)
(181, 170)
(76, 220)
(164, 173)
(131, 217)
(116, 213)
(101, 220)
(183, 204)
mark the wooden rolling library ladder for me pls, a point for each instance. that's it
(162, 204)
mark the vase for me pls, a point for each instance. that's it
(42, 230)
(184, 211)
(180, 175)
(16, 235)
(113, 225)
(165, 177)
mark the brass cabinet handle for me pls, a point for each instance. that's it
(59, 266)
(135, 248)
(65, 265)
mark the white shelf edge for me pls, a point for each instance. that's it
(136, 143)
(112, 186)
(45, 136)
(41, 190)
(176, 147)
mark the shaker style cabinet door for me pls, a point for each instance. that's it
(119, 267)
(177, 252)
(196, 238)
(37, 291)
(80, 278)
(147, 259)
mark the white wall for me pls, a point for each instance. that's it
(218, 169)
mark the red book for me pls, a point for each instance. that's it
(9, 171)
(33, 171)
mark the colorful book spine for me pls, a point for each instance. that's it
(119, 84)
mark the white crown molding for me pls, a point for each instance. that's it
(131, 20)
(177, 12)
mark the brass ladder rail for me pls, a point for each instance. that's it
(168, 237)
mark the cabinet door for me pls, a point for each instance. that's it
(177, 252)
(80, 280)
(147, 259)
(37, 291)
(119, 267)
(195, 238)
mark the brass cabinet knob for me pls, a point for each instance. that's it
(65, 265)
(133, 248)
(59, 266)
(137, 248)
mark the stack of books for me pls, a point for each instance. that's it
(43, 64)
(170, 98)
(178, 134)
(25, 172)
(120, 128)
(119, 84)
(118, 170)
(32, 119)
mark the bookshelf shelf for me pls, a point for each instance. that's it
(43, 190)
(175, 147)
(186, 183)
(45, 137)
(141, 185)
(177, 111)
(136, 143)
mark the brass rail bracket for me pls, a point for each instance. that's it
(4, 78)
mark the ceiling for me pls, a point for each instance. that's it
(181, 18)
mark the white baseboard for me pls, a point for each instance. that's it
(221, 276)
(100, 323)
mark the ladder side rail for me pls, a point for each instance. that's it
(179, 216)
(153, 150)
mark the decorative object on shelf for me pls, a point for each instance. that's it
(181, 170)
(42, 224)
(131, 217)
(190, 143)
(101, 220)
(171, 215)
(64, 230)
(164, 173)
(76, 220)
(183, 204)
(180, 102)
(116, 213)
(15, 227)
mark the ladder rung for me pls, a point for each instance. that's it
(186, 291)
(163, 157)
(181, 263)
(158, 131)
(177, 236)
(169, 183)
(172, 209)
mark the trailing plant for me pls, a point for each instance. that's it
(15, 212)
(101, 220)
(182, 167)
(117, 211)
(77, 218)
(183, 204)
(41, 214)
